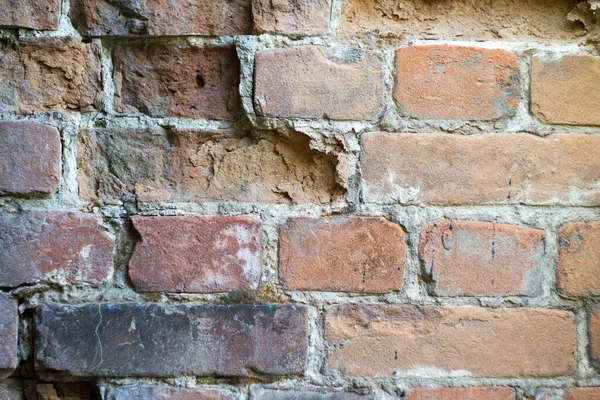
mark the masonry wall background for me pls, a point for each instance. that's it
(299, 199)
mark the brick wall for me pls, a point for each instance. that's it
(299, 199)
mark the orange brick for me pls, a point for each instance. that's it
(578, 268)
(477, 393)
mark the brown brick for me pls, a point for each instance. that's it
(49, 74)
(150, 340)
(182, 166)
(61, 246)
(474, 341)
(196, 254)
(29, 158)
(11, 389)
(319, 82)
(594, 334)
(63, 391)
(580, 393)
(482, 258)
(32, 14)
(291, 17)
(165, 392)
(482, 169)
(172, 80)
(309, 393)
(162, 17)
(565, 90)
(475, 393)
(342, 254)
(578, 267)
(9, 321)
(455, 82)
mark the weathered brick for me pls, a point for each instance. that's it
(29, 158)
(594, 334)
(463, 19)
(455, 82)
(475, 393)
(482, 258)
(156, 165)
(60, 246)
(32, 14)
(308, 393)
(319, 82)
(580, 393)
(165, 392)
(63, 391)
(196, 254)
(49, 74)
(9, 320)
(482, 169)
(11, 389)
(162, 17)
(342, 254)
(474, 341)
(150, 340)
(565, 90)
(172, 80)
(578, 267)
(291, 17)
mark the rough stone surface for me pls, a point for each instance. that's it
(482, 169)
(172, 80)
(580, 393)
(319, 82)
(29, 158)
(11, 389)
(64, 391)
(64, 247)
(196, 254)
(455, 82)
(292, 17)
(150, 340)
(308, 393)
(565, 90)
(468, 341)
(463, 19)
(32, 14)
(578, 267)
(49, 74)
(482, 258)
(156, 165)
(476, 393)
(162, 17)
(342, 254)
(9, 322)
(167, 393)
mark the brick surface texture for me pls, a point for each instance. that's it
(299, 199)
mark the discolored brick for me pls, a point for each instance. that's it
(166, 392)
(579, 393)
(173, 80)
(342, 254)
(32, 14)
(151, 340)
(63, 247)
(309, 393)
(291, 17)
(450, 341)
(11, 389)
(195, 254)
(319, 82)
(474, 393)
(9, 321)
(456, 82)
(594, 334)
(29, 158)
(482, 258)
(578, 267)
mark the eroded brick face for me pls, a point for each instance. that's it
(308, 17)
(9, 321)
(32, 14)
(579, 259)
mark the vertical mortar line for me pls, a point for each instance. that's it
(69, 132)
(108, 77)
(584, 366)
(246, 48)
(551, 257)
(389, 70)
(413, 224)
(335, 17)
(316, 344)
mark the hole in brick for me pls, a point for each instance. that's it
(200, 81)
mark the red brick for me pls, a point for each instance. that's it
(565, 90)
(151, 340)
(578, 267)
(580, 393)
(319, 82)
(49, 74)
(475, 393)
(454, 82)
(165, 392)
(482, 258)
(370, 340)
(9, 321)
(196, 254)
(32, 14)
(29, 158)
(342, 254)
(60, 246)
(309, 393)
(162, 17)
(303, 17)
(172, 80)
(482, 169)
